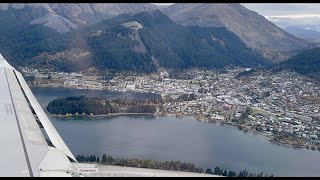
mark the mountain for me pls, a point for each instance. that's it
(65, 17)
(305, 63)
(295, 20)
(302, 26)
(90, 13)
(175, 47)
(228, 43)
(139, 42)
(253, 29)
(20, 41)
(146, 41)
(37, 14)
(309, 32)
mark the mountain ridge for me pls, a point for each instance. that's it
(65, 17)
(253, 29)
(28, 38)
(114, 44)
(306, 63)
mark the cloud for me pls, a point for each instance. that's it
(285, 21)
(280, 9)
(296, 16)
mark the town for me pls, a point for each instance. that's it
(282, 106)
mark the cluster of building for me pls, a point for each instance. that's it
(49, 78)
(283, 106)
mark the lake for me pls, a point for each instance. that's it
(207, 145)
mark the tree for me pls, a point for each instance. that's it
(209, 171)
(78, 158)
(217, 171)
(232, 174)
(98, 160)
(225, 173)
(104, 158)
(200, 170)
(260, 174)
(243, 173)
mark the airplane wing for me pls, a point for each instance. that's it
(27, 149)
(31, 146)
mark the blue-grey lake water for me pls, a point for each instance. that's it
(206, 145)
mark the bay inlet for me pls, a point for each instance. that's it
(168, 138)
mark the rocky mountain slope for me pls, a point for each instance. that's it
(253, 29)
(140, 37)
(64, 17)
(140, 42)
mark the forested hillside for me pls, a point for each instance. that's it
(306, 63)
(141, 42)
(20, 41)
(167, 45)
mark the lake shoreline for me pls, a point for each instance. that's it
(264, 135)
(169, 138)
(104, 115)
(239, 127)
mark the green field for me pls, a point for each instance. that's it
(259, 111)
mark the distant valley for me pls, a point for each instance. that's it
(309, 32)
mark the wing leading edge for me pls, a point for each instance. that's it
(24, 144)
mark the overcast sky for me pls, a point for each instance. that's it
(284, 9)
(281, 9)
